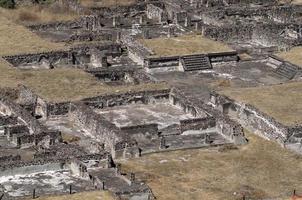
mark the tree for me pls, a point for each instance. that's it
(7, 4)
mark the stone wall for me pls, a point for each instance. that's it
(137, 52)
(127, 98)
(170, 63)
(251, 117)
(231, 56)
(146, 131)
(99, 128)
(197, 124)
(229, 33)
(86, 22)
(10, 108)
(156, 13)
(78, 55)
(41, 60)
(224, 125)
(47, 109)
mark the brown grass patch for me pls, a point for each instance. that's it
(96, 195)
(283, 102)
(16, 39)
(294, 55)
(70, 138)
(27, 15)
(259, 170)
(65, 84)
(184, 45)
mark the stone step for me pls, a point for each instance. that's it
(196, 62)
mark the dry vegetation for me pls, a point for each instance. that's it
(261, 169)
(82, 196)
(38, 14)
(184, 45)
(64, 84)
(296, 2)
(16, 39)
(107, 3)
(294, 55)
(283, 102)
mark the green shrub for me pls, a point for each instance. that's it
(7, 3)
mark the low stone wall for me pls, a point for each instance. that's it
(29, 168)
(87, 37)
(99, 128)
(43, 59)
(249, 116)
(172, 63)
(127, 98)
(146, 130)
(12, 165)
(224, 125)
(136, 51)
(231, 56)
(86, 22)
(78, 55)
(156, 13)
(48, 109)
(197, 124)
(10, 108)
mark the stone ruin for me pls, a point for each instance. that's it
(131, 124)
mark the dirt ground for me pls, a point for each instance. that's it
(294, 55)
(279, 101)
(22, 40)
(82, 196)
(260, 169)
(184, 45)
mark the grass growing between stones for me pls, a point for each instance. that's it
(294, 55)
(260, 169)
(96, 195)
(282, 102)
(184, 45)
(16, 39)
(58, 85)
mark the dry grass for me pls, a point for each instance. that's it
(184, 45)
(16, 39)
(70, 138)
(38, 14)
(107, 3)
(294, 55)
(283, 102)
(299, 2)
(97, 195)
(64, 84)
(261, 169)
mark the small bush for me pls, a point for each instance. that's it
(27, 16)
(7, 4)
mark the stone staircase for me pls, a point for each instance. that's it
(287, 70)
(196, 62)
